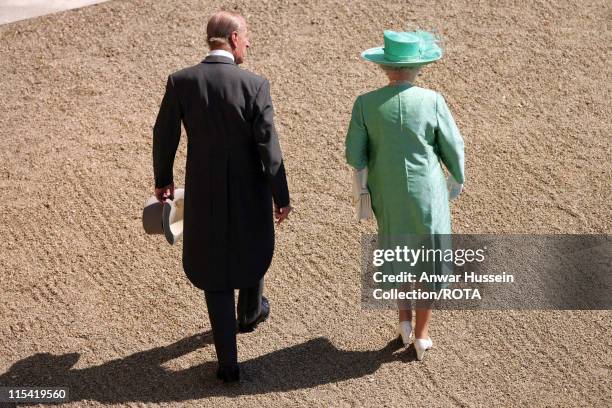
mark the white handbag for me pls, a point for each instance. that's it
(361, 194)
(454, 188)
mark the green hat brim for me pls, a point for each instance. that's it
(377, 55)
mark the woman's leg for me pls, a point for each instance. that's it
(405, 315)
(404, 328)
(404, 306)
(421, 326)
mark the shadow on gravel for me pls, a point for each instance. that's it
(140, 377)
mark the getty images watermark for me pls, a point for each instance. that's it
(413, 257)
(487, 271)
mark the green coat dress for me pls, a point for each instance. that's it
(403, 134)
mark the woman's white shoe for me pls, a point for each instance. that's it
(405, 330)
(421, 346)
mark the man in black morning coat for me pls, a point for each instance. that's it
(234, 172)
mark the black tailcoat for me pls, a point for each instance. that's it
(234, 170)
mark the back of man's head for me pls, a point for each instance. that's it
(220, 27)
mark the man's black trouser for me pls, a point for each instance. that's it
(222, 315)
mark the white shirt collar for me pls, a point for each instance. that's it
(222, 53)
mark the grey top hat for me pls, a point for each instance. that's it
(165, 218)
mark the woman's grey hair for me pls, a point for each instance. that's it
(390, 68)
(221, 26)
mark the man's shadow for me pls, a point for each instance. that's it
(141, 377)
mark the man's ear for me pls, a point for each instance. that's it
(234, 39)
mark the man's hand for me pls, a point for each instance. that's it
(165, 193)
(281, 213)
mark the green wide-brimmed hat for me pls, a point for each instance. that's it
(408, 49)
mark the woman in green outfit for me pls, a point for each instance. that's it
(398, 137)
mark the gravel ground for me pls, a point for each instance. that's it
(90, 302)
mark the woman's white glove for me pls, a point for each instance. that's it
(454, 188)
(361, 194)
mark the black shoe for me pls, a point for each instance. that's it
(263, 316)
(229, 374)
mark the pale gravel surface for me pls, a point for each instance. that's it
(529, 85)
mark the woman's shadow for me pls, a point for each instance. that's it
(141, 377)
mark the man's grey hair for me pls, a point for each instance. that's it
(220, 27)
